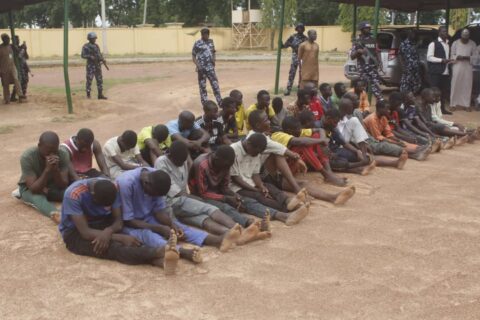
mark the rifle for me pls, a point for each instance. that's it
(367, 55)
(105, 64)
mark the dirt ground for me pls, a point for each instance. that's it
(405, 247)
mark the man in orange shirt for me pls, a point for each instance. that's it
(378, 127)
(360, 89)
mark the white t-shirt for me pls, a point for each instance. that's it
(352, 130)
(245, 166)
(178, 175)
(112, 148)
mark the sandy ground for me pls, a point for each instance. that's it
(405, 247)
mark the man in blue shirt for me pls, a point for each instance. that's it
(185, 129)
(148, 217)
(91, 224)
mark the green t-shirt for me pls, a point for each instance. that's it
(33, 164)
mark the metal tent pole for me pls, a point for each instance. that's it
(447, 15)
(104, 27)
(65, 56)
(279, 49)
(355, 14)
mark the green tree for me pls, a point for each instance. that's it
(345, 18)
(271, 15)
(430, 17)
(317, 12)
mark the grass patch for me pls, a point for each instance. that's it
(8, 128)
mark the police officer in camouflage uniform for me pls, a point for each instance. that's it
(294, 41)
(203, 55)
(91, 52)
(368, 63)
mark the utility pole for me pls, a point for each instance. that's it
(145, 12)
(104, 28)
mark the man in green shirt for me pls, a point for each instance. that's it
(44, 175)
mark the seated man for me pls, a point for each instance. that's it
(212, 123)
(91, 225)
(185, 207)
(186, 130)
(122, 154)
(278, 161)
(344, 157)
(360, 89)
(315, 104)
(263, 104)
(240, 114)
(326, 97)
(153, 141)
(302, 103)
(354, 132)
(227, 116)
(44, 175)
(210, 179)
(246, 181)
(339, 90)
(81, 148)
(377, 125)
(149, 218)
(280, 112)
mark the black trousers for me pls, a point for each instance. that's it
(116, 250)
(442, 82)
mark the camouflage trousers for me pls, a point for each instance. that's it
(94, 71)
(24, 80)
(293, 71)
(203, 75)
(369, 74)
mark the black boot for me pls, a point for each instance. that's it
(88, 95)
(13, 97)
(101, 96)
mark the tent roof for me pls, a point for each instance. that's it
(414, 5)
(7, 5)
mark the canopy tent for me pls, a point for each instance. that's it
(399, 5)
(11, 5)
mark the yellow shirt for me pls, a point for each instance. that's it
(306, 133)
(282, 138)
(240, 119)
(271, 113)
(146, 133)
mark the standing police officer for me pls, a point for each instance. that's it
(203, 55)
(294, 41)
(91, 52)
(368, 62)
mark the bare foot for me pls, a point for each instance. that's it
(402, 161)
(366, 170)
(298, 199)
(265, 223)
(449, 144)
(344, 196)
(337, 181)
(437, 146)
(230, 238)
(461, 140)
(249, 234)
(170, 261)
(194, 254)
(56, 217)
(297, 215)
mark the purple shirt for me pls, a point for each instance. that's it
(136, 204)
(78, 201)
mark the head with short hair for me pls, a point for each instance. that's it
(186, 119)
(311, 88)
(156, 183)
(85, 138)
(427, 96)
(160, 132)
(345, 106)
(437, 94)
(223, 158)
(104, 192)
(277, 104)
(178, 153)
(339, 89)
(255, 144)
(300, 28)
(259, 121)
(409, 98)
(48, 143)
(229, 106)
(325, 90)
(395, 100)
(210, 110)
(263, 99)
(359, 86)
(312, 35)
(382, 108)
(353, 97)
(332, 117)
(205, 33)
(303, 97)
(292, 126)
(5, 38)
(307, 119)
(128, 139)
(443, 32)
(237, 96)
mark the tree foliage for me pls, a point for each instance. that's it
(271, 15)
(317, 12)
(345, 17)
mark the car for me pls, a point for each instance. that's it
(388, 43)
